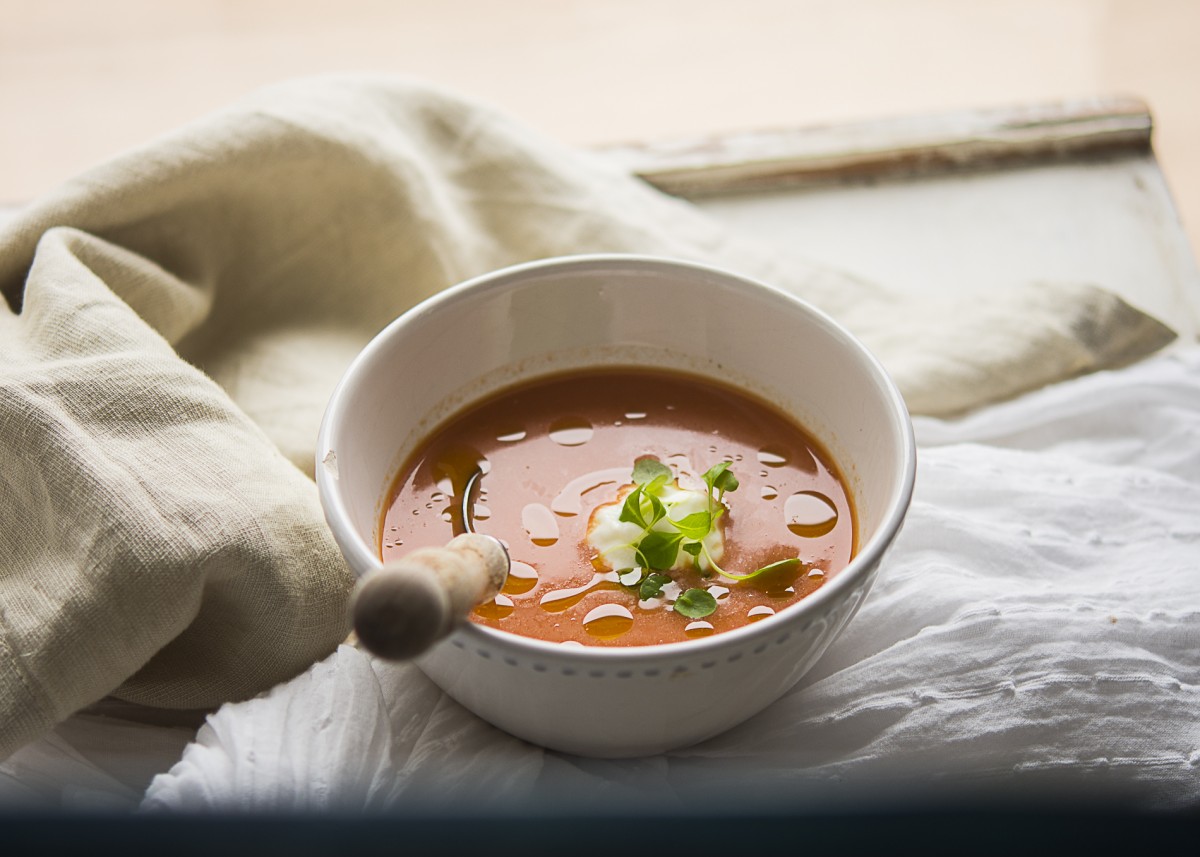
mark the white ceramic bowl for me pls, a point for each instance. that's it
(547, 316)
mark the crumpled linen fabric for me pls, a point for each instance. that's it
(176, 318)
(1036, 626)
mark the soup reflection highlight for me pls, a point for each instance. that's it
(558, 457)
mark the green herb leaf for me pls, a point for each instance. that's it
(695, 604)
(694, 549)
(648, 470)
(658, 549)
(694, 526)
(632, 510)
(657, 510)
(642, 508)
(775, 566)
(720, 478)
(652, 585)
(727, 482)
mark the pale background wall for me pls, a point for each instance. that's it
(81, 80)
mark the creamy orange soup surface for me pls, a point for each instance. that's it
(555, 451)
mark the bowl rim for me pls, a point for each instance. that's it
(864, 561)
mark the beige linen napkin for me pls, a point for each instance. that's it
(177, 318)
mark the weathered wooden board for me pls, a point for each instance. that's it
(970, 202)
(900, 147)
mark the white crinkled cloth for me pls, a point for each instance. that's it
(1039, 617)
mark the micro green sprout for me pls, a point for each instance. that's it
(656, 549)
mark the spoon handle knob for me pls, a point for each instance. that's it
(408, 605)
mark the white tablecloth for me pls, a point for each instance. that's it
(1038, 621)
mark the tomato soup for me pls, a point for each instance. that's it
(556, 452)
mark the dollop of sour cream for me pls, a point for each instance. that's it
(612, 539)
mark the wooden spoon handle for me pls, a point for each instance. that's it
(411, 603)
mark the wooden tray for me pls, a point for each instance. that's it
(970, 201)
